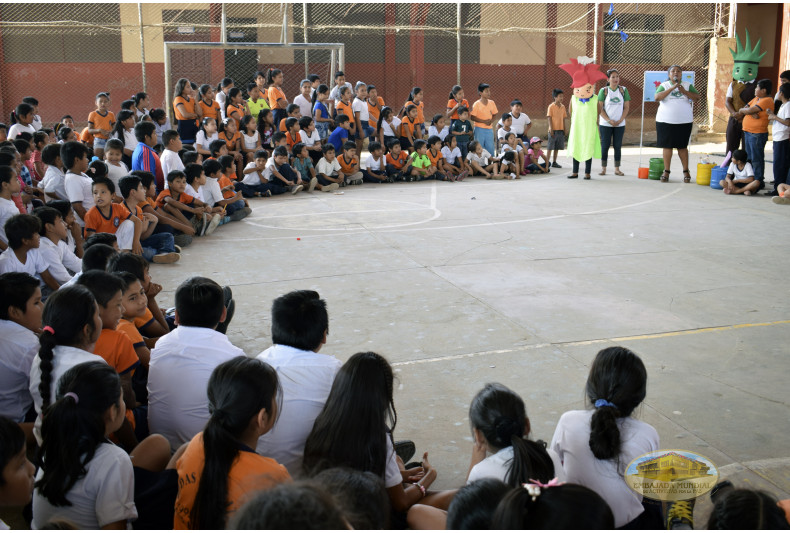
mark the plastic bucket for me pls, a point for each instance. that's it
(657, 164)
(653, 175)
(703, 173)
(642, 173)
(716, 175)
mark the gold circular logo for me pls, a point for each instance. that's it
(671, 475)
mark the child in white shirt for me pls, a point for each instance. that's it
(740, 175)
(328, 170)
(206, 135)
(170, 159)
(304, 99)
(116, 168)
(453, 160)
(438, 127)
(376, 165)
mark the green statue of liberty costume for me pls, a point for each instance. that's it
(584, 142)
(746, 60)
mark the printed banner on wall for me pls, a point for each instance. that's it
(654, 78)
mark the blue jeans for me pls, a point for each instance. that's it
(486, 138)
(755, 149)
(614, 137)
(158, 243)
(235, 206)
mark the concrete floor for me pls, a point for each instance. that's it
(459, 284)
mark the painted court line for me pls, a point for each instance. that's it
(667, 334)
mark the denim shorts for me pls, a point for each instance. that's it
(99, 143)
(367, 131)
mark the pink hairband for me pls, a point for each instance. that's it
(72, 395)
(49, 330)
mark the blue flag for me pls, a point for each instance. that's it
(611, 9)
(616, 25)
(623, 36)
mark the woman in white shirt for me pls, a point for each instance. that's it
(674, 119)
(596, 445)
(614, 102)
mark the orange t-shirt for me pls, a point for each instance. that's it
(131, 331)
(117, 349)
(452, 103)
(758, 123)
(400, 161)
(485, 112)
(407, 125)
(374, 111)
(275, 93)
(240, 110)
(105, 122)
(184, 198)
(557, 114)
(210, 110)
(420, 107)
(346, 166)
(223, 182)
(189, 107)
(345, 109)
(86, 136)
(96, 221)
(435, 158)
(249, 474)
(291, 142)
(231, 143)
(144, 321)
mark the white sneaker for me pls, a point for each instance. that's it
(167, 258)
(313, 183)
(296, 188)
(512, 176)
(331, 187)
(212, 225)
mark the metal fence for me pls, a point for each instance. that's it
(65, 53)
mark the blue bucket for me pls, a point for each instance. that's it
(716, 175)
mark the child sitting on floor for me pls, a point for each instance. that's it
(22, 255)
(740, 176)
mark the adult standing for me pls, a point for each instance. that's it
(674, 119)
(614, 102)
(483, 114)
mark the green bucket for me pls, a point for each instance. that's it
(656, 164)
(654, 175)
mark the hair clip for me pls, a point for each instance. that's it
(532, 489)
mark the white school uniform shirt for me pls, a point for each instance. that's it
(103, 496)
(55, 181)
(212, 193)
(391, 130)
(392, 475)
(170, 161)
(496, 466)
(79, 189)
(18, 128)
(362, 107)
(60, 259)
(780, 132)
(441, 134)
(518, 148)
(304, 105)
(37, 124)
(310, 140)
(64, 358)
(334, 94)
(7, 209)
(161, 129)
(269, 168)
(34, 263)
(747, 171)
(250, 142)
(502, 133)
(181, 363)
(194, 193)
(571, 442)
(306, 379)
(376, 164)
(220, 98)
(130, 142)
(451, 156)
(519, 123)
(481, 160)
(326, 168)
(19, 347)
(115, 173)
(203, 141)
(253, 178)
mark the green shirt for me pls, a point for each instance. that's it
(257, 107)
(420, 161)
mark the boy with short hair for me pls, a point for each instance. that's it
(135, 305)
(303, 166)
(255, 182)
(54, 181)
(182, 232)
(157, 247)
(398, 163)
(22, 255)
(279, 168)
(420, 162)
(520, 123)
(185, 208)
(20, 321)
(77, 184)
(217, 148)
(349, 164)
(292, 133)
(328, 171)
(557, 115)
(107, 217)
(462, 129)
(222, 191)
(54, 248)
(334, 94)
(169, 158)
(9, 185)
(376, 166)
(310, 137)
(144, 156)
(113, 157)
(339, 135)
(292, 111)
(279, 139)
(188, 354)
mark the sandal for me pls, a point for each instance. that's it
(686, 176)
(665, 176)
(618, 173)
(573, 176)
(586, 176)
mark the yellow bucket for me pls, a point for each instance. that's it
(703, 173)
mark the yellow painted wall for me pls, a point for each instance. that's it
(513, 48)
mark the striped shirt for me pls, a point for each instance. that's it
(144, 158)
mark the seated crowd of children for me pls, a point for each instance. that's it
(117, 413)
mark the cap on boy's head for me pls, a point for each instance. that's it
(534, 140)
(515, 102)
(211, 167)
(200, 303)
(19, 228)
(127, 184)
(174, 175)
(300, 320)
(482, 87)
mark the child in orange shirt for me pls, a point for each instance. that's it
(220, 470)
(185, 208)
(416, 97)
(292, 111)
(107, 217)
(292, 136)
(408, 128)
(209, 107)
(755, 128)
(398, 164)
(349, 164)
(135, 305)
(237, 208)
(100, 124)
(229, 132)
(437, 159)
(456, 100)
(277, 100)
(235, 107)
(344, 108)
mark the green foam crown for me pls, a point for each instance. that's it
(747, 54)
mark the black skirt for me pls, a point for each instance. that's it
(673, 135)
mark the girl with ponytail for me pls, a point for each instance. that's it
(71, 325)
(220, 468)
(596, 445)
(500, 426)
(277, 100)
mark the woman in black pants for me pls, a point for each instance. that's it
(614, 102)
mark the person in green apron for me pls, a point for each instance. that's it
(584, 142)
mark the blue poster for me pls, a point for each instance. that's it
(654, 78)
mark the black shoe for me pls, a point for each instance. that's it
(555, 165)
(405, 450)
(771, 193)
(222, 327)
(572, 176)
